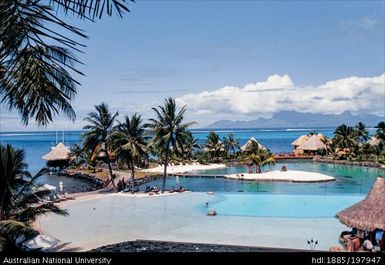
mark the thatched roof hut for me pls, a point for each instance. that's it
(300, 140)
(374, 141)
(59, 152)
(313, 143)
(252, 139)
(368, 214)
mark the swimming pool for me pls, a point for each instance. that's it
(349, 180)
(182, 217)
(281, 205)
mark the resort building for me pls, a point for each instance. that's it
(58, 156)
(374, 141)
(252, 139)
(308, 144)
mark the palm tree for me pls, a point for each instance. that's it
(97, 133)
(37, 63)
(129, 143)
(214, 145)
(258, 156)
(380, 132)
(186, 152)
(169, 133)
(20, 204)
(77, 155)
(231, 144)
(362, 133)
(345, 137)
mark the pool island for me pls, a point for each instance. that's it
(290, 175)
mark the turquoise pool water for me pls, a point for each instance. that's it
(281, 205)
(349, 180)
(182, 218)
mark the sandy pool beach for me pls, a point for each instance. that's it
(184, 168)
(276, 175)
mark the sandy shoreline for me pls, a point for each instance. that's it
(184, 168)
(290, 175)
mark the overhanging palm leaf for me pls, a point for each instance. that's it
(20, 203)
(15, 229)
(37, 64)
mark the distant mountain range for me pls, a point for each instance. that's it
(293, 119)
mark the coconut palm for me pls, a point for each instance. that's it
(345, 137)
(169, 133)
(231, 144)
(96, 137)
(328, 145)
(129, 143)
(186, 152)
(37, 63)
(362, 133)
(258, 156)
(20, 203)
(380, 132)
(214, 145)
(77, 155)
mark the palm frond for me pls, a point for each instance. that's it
(92, 8)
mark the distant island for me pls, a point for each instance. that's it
(293, 119)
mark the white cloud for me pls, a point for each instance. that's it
(279, 93)
(361, 23)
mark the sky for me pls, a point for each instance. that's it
(236, 60)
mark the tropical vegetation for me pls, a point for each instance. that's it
(257, 155)
(169, 134)
(129, 144)
(21, 201)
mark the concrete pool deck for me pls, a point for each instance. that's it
(290, 175)
(112, 218)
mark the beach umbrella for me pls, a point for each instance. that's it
(49, 187)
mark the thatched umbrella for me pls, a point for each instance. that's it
(368, 214)
(59, 152)
(312, 144)
(252, 139)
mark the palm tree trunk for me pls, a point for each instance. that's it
(132, 176)
(165, 172)
(165, 168)
(110, 169)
